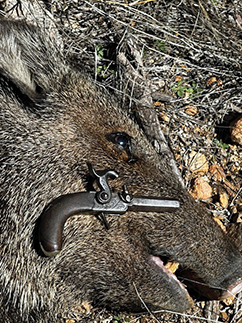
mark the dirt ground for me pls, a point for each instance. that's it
(185, 56)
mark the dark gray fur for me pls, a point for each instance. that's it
(53, 120)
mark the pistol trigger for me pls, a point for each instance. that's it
(105, 221)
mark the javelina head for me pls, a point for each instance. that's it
(53, 121)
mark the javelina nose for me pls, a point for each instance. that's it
(232, 290)
(218, 291)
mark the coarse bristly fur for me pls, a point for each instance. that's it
(53, 120)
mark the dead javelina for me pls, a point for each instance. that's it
(54, 121)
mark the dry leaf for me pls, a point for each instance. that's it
(197, 162)
(164, 117)
(201, 190)
(85, 307)
(236, 131)
(178, 78)
(185, 68)
(224, 317)
(224, 200)
(191, 110)
(228, 301)
(211, 80)
(158, 104)
(217, 172)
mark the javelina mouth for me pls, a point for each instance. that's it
(169, 269)
(193, 283)
(108, 202)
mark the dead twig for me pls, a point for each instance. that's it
(144, 105)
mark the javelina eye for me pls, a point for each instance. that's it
(123, 141)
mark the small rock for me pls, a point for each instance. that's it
(236, 130)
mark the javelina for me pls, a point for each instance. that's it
(55, 120)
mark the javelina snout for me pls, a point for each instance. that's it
(54, 120)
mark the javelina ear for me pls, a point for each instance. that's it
(12, 65)
(26, 59)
